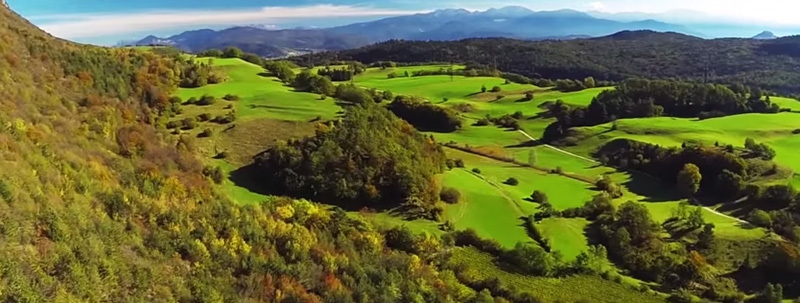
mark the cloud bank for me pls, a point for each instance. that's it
(77, 26)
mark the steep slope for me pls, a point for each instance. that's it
(96, 206)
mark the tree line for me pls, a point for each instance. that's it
(641, 98)
(762, 63)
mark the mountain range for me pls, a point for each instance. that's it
(442, 25)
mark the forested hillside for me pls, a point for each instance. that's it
(770, 64)
(97, 204)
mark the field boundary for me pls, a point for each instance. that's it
(580, 178)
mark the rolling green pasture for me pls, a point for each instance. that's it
(789, 103)
(776, 130)
(261, 96)
(491, 207)
(566, 235)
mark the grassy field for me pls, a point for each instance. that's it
(570, 289)
(263, 97)
(566, 235)
(776, 130)
(486, 208)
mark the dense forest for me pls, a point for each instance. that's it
(769, 64)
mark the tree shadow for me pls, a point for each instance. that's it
(653, 189)
(266, 74)
(739, 209)
(251, 177)
(541, 115)
(529, 143)
(247, 177)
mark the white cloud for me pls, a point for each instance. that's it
(597, 6)
(74, 26)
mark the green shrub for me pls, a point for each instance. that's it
(512, 181)
(539, 197)
(5, 191)
(482, 122)
(206, 100)
(476, 170)
(216, 174)
(230, 97)
(528, 96)
(496, 89)
(221, 155)
(192, 100)
(173, 124)
(760, 218)
(189, 123)
(206, 133)
(228, 118)
(204, 117)
(450, 195)
(459, 163)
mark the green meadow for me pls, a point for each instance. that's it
(268, 111)
(263, 96)
(776, 130)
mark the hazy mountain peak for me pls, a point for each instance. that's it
(564, 13)
(451, 12)
(509, 11)
(765, 35)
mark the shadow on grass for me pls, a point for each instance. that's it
(739, 209)
(529, 143)
(247, 177)
(541, 115)
(652, 189)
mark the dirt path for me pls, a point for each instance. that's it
(558, 149)
(714, 211)
(502, 193)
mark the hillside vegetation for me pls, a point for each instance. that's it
(101, 204)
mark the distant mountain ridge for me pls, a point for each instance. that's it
(444, 24)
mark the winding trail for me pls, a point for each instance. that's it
(713, 211)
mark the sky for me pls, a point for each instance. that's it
(111, 21)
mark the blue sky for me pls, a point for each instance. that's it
(109, 21)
